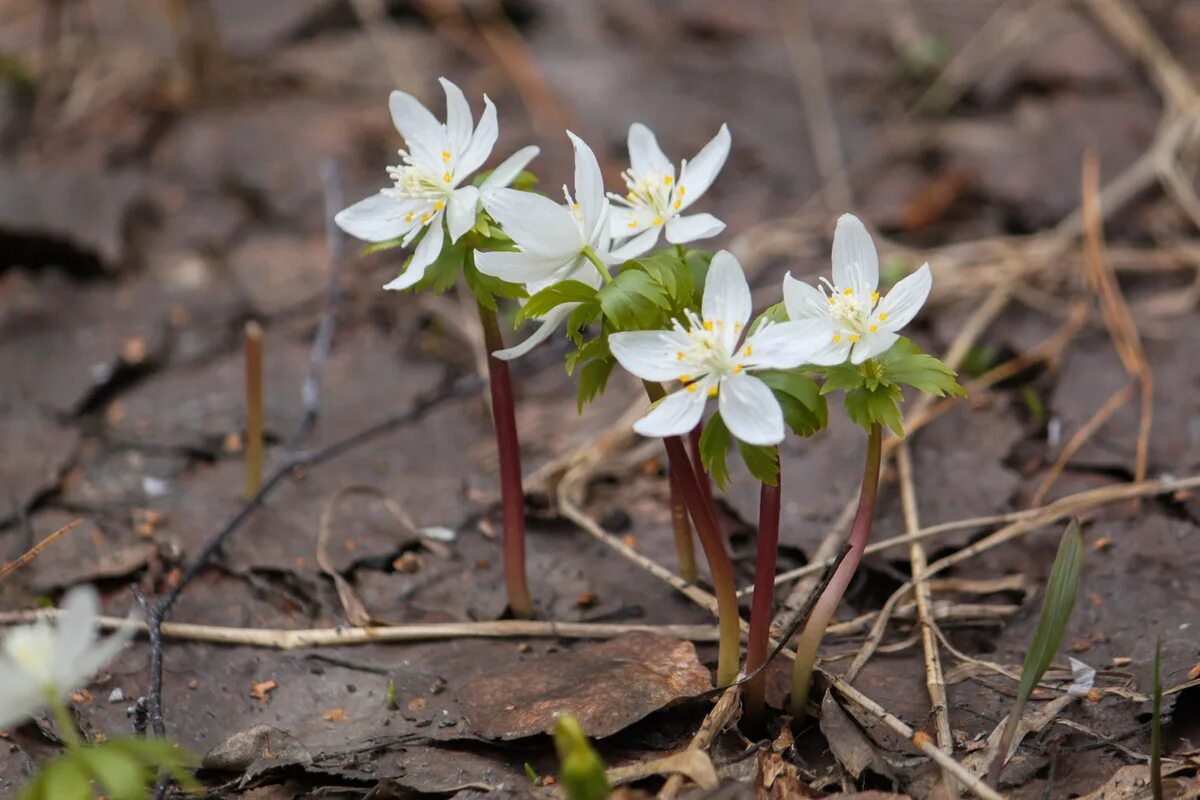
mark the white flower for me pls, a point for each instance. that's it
(848, 317)
(49, 658)
(656, 200)
(710, 359)
(1083, 678)
(552, 240)
(427, 182)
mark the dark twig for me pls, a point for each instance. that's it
(154, 700)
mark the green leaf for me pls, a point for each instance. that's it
(762, 461)
(581, 772)
(775, 313)
(64, 778)
(867, 407)
(698, 262)
(585, 314)
(840, 376)
(672, 273)
(553, 296)
(592, 379)
(123, 777)
(714, 449)
(1061, 591)
(804, 407)
(379, 247)
(443, 273)
(1156, 741)
(591, 350)
(635, 301)
(487, 288)
(904, 363)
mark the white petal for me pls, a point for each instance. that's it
(651, 355)
(509, 169)
(428, 249)
(645, 156)
(375, 219)
(904, 300)
(482, 141)
(535, 222)
(695, 227)
(549, 323)
(750, 410)
(802, 300)
(459, 120)
(676, 414)
(461, 210)
(424, 135)
(783, 345)
(699, 173)
(870, 345)
(1083, 678)
(826, 352)
(637, 246)
(98, 656)
(20, 695)
(589, 186)
(726, 293)
(76, 630)
(855, 262)
(518, 266)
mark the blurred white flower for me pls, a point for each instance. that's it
(1083, 678)
(847, 316)
(655, 200)
(53, 657)
(427, 182)
(555, 242)
(710, 359)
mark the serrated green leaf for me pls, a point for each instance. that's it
(487, 288)
(775, 313)
(583, 315)
(714, 449)
(553, 296)
(840, 376)
(698, 262)
(635, 301)
(672, 273)
(762, 461)
(591, 350)
(804, 407)
(866, 407)
(1061, 591)
(593, 377)
(904, 363)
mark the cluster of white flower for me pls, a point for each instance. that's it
(711, 352)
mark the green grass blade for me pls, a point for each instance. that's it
(1156, 744)
(1061, 591)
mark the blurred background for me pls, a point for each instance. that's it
(168, 170)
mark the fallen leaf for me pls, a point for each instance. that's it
(607, 686)
(243, 748)
(850, 746)
(262, 691)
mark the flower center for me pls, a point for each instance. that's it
(711, 350)
(32, 649)
(652, 192)
(414, 180)
(849, 307)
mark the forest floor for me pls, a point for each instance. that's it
(151, 203)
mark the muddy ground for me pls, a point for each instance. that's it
(165, 180)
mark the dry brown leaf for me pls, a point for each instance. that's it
(262, 691)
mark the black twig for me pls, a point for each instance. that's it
(154, 629)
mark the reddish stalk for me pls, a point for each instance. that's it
(810, 640)
(512, 494)
(252, 339)
(761, 605)
(685, 552)
(719, 565)
(698, 466)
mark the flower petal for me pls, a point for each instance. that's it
(803, 300)
(645, 156)
(428, 249)
(694, 227)
(589, 186)
(461, 211)
(76, 631)
(535, 222)
(424, 135)
(480, 146)
(870, 345)
(904, 300)
(651, 355)
(783, 345)
(21, 694)
(555, 317)
(639, 245)
(459, 120)
(518, 266)
(855, 262)
(831, 344)
(699, 173)
(676, 414)
(509, 169)
(726, 293)
(750, 410)
(375, 219)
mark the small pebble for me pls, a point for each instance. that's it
(116, 695)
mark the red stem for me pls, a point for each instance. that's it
(512, 494)
(761, 606)
(827, 603)
(685, 552)
(698, 466)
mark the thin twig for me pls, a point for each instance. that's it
(35, 551)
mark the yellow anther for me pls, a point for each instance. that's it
(692, 387)
(633, 223)
(708, 325)
(831, 300)
(658, 220)
(445, 155)
(681, 190)
(439, 205)
(837, 337)
(409, 216)
(854, 338)
(631, 197)
(678, 204)
(737, 368)
(712, 390)
(679, 355)
(668, 180)
(446, 176)
(873, 328)
(874, 297)
(737, 326)
(684, 378)
(848, 292)
(749, 350)
(883, 317)
(424, 219)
